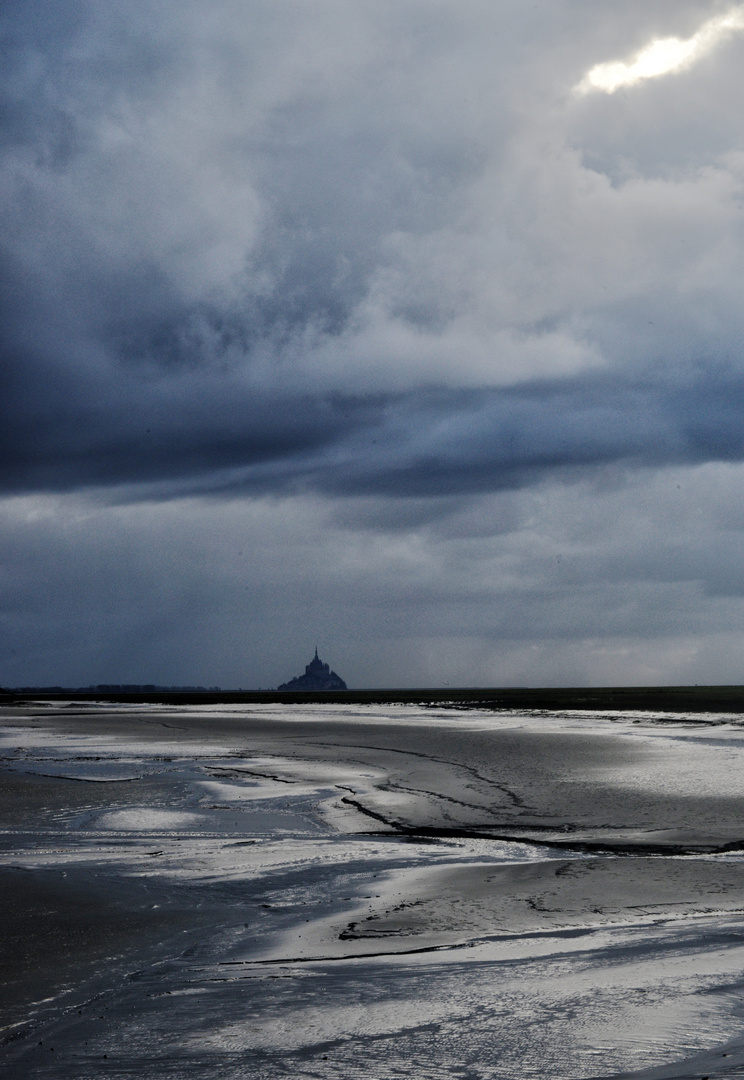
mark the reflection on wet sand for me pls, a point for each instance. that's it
(361, 891)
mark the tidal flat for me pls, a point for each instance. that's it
(265, 890)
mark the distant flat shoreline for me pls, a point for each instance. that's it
(693, 699)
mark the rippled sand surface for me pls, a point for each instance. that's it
(369, 891)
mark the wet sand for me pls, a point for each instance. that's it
(369, 891)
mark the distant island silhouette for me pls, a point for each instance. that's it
(318, 676)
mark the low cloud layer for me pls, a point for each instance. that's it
(339, 256)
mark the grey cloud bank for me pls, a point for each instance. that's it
(368, 294)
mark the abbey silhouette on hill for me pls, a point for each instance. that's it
(318, 676)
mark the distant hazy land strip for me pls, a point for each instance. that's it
(697, 699)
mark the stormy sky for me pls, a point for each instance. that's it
(409, 328)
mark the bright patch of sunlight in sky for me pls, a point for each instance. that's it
(663, 56)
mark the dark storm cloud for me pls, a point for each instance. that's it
(252, 246)
(359, 310)
(181, 433)
(485, 441)
(210, 437)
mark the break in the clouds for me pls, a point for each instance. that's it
(663, 56)
(357, 272)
